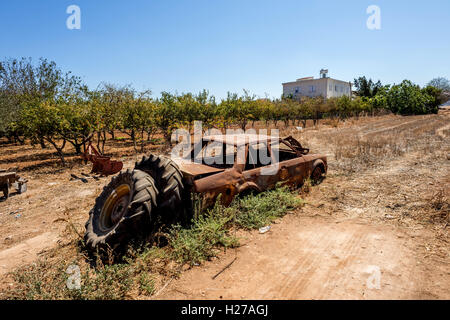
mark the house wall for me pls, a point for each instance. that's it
(338, 88)
(324, 87)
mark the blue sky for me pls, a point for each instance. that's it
(228, 45)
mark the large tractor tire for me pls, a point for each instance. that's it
(123, 211)
(169, 181)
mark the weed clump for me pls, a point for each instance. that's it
(253, 212)
(211, 230)
(208, 232)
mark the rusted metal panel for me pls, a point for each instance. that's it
(11, 177)
(194, 169)
(8, 179)
(7, 176)
(101, 164)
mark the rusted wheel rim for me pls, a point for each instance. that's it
(317, 174)
(115, 207)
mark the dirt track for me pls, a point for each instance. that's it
(319, 258)
(379, 217)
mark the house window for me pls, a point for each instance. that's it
(336, 88)
(297, 90)
(313, 89)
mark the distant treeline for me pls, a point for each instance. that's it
(48, 106)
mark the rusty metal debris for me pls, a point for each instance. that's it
(264, 229)
(75, 177)
(84, 177)
(100, 164)
(224, 268)
(11, 179)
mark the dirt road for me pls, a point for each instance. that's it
(320, 258)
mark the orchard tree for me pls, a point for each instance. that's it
(267, 110)
(109, 100)
(228, 109)
(17, 87)
(283, 110)
(436, 98)
(9, 113)
(24, 84)
(189, 109)
(137, 112)
(46, 119)
(303, 111)
(207, 109)
(238, 109)
(77, 125)
(317, 107)
(168, 115)
(366, 87)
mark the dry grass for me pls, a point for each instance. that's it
(136, 276)
(439, 203)
(354, 148)
(385, 169)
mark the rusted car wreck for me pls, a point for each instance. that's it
(159, 191)
(286, 161)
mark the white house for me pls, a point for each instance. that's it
(324, 86)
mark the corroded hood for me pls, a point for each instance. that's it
(190, 168)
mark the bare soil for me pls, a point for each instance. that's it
(383, 206)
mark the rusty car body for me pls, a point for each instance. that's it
(287, 162)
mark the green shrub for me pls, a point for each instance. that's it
(146, 284)
(208, 232)
(407, 98)
(211, 229)
(257, 211)
(436, 98)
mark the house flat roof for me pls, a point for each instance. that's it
(318, 79)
